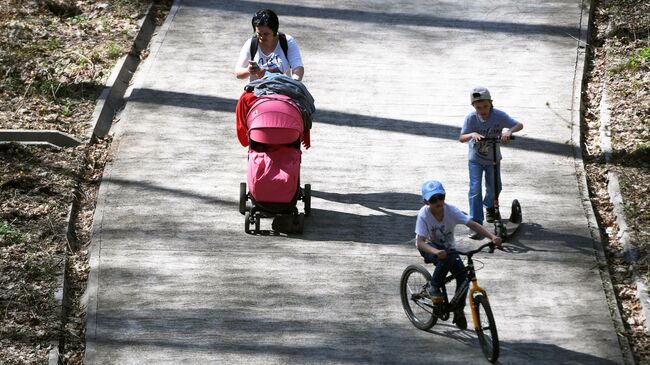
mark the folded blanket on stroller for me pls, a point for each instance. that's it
(285, 85)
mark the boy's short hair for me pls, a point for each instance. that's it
(480, 93)
(266, 17)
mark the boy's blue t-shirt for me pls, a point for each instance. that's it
(481, 152)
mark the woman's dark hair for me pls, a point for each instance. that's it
(268, 18)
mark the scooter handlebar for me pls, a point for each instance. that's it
(496, 139)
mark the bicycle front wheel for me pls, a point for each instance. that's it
(486, 328)
(417, 305)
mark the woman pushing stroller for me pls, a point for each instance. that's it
(273, 119)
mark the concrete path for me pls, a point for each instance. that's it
(176, 280)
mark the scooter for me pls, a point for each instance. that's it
(503, 228)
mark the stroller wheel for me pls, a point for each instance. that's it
(300, 223)
(258, 218)
(242, 198)
(307, 198)
(247, 222)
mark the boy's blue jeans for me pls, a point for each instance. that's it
(452, 263)
(475, 195)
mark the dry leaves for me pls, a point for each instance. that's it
(621, 61)
(55, 56)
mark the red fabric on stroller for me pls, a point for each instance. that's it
(244, 105)
(274, 119)
(274, 123)
(273, 175)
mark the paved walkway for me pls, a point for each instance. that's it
(176, 280)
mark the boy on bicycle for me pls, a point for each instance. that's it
(434, 237)
(484, 121)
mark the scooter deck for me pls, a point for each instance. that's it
(507, 227)
(511, 227)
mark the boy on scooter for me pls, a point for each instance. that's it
(484, 121)
(434, 237)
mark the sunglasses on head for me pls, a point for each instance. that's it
(437, 198)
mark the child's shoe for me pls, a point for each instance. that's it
(435, 294)
(490, 215)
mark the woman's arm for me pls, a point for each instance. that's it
(243, 67)
(242, 73)
(297, 73)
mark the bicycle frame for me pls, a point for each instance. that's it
(473, 287)
(423, 313)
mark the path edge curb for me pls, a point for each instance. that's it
(89, 297)
(107, 101)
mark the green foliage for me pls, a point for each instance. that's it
(78, 20)
(9, 235)
(11, 83)
(46, 87)
(66, 108)
(103, 20)
(113, 50)
(640, 58)
(53, 43)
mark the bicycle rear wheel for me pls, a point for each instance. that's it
(417, 306)
(486, 328)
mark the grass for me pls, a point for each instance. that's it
(113, 50)
(9, 235)
(640, 58)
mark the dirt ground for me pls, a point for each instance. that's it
(56, 55)
(620, 64)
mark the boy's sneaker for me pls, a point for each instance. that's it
(460, 320)
(490, 215)
(435, 294)
(474, 235)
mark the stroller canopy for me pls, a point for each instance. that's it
(275, 119)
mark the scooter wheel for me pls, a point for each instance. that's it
(515, 212)
(501, 231)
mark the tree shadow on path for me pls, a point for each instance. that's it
(336, 118)
(386, 18)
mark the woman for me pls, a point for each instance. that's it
(273, 51)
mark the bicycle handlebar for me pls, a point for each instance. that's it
(472, 252)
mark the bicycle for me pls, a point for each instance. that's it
(424, 314)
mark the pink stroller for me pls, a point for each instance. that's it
(275, 128)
